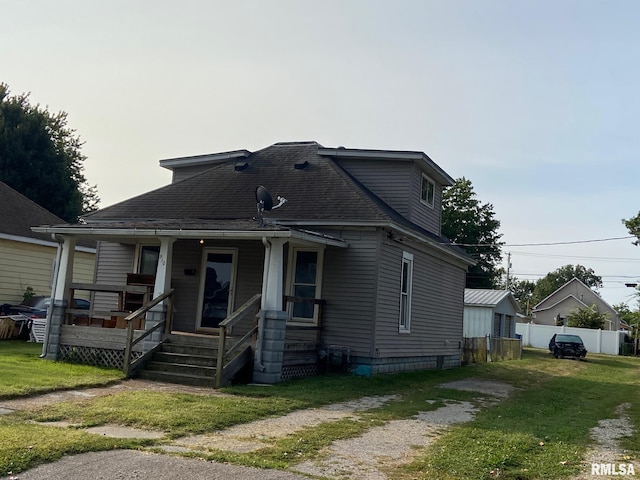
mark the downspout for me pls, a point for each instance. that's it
(54, 279)
(265, 276)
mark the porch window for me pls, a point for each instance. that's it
(148, 259)
(306, 275)
(428, 191)
(405, 292)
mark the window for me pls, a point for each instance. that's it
(305, 279)
(148, 260)
(428, 192)
(405, 292)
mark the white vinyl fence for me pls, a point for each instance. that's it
(596, 341)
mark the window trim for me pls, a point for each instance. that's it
(202, 281)
(425, 201)
(138, 255)
(406, 298)
(291, 268)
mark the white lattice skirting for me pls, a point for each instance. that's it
(103, 357)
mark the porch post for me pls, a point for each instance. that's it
(62, 277)
(163, 282)
(271, 334)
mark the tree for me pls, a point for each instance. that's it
(548, 284)
(633, 224)
(586, 317)
(472, 225)
(40, 157)
(625, 313)
(523, 292)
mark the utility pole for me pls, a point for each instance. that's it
(508, 268)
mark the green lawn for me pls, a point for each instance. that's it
(25, 373)
(541, 431)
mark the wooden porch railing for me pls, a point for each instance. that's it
(224, 327)
(130, 366)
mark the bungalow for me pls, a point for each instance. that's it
(339, 251)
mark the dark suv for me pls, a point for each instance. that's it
(566, 345)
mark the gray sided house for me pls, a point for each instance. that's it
(351, 263)
(573, 295)
(490, 312)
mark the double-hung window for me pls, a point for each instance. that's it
(305, 283)
(428, 191)
(405, 292)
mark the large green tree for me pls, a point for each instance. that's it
(40, 157)
(633, 224)
(472, 225)
(548, 284)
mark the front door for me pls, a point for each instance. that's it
(217, 286)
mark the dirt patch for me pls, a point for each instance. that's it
(255, 435)
(364, 457)
(607, 449)
(496, 389)
(8, 406)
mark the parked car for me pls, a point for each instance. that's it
(566, 345)
(36, 307)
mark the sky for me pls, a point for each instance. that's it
(535, 101)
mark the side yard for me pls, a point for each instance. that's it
(534, 418)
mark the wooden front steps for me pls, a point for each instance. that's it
(185, 359)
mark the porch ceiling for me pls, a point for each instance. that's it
(126, 232)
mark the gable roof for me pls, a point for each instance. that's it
(545, 304)
(478, 297)
(18, 214)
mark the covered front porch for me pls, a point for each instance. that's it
(251, 292)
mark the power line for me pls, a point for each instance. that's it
(574, 242)
(603, 259)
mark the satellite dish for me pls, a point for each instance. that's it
(263, 197)
(265, 202)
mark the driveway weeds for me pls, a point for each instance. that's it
(368, 456)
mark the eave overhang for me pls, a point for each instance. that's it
(442, 247)
(443, 177)
(104, 233)
(212, 158)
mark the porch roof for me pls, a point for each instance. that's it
(193, 229)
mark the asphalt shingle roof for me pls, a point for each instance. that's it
(320, 191)
(18, 214)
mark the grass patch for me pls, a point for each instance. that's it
(25, 373)
(176, 414)
(24, 445)
(542, 430)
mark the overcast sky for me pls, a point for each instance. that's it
(535, 101)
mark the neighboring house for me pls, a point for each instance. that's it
(353, 261)
(573, 295)
(490, 312)
(27, 257)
